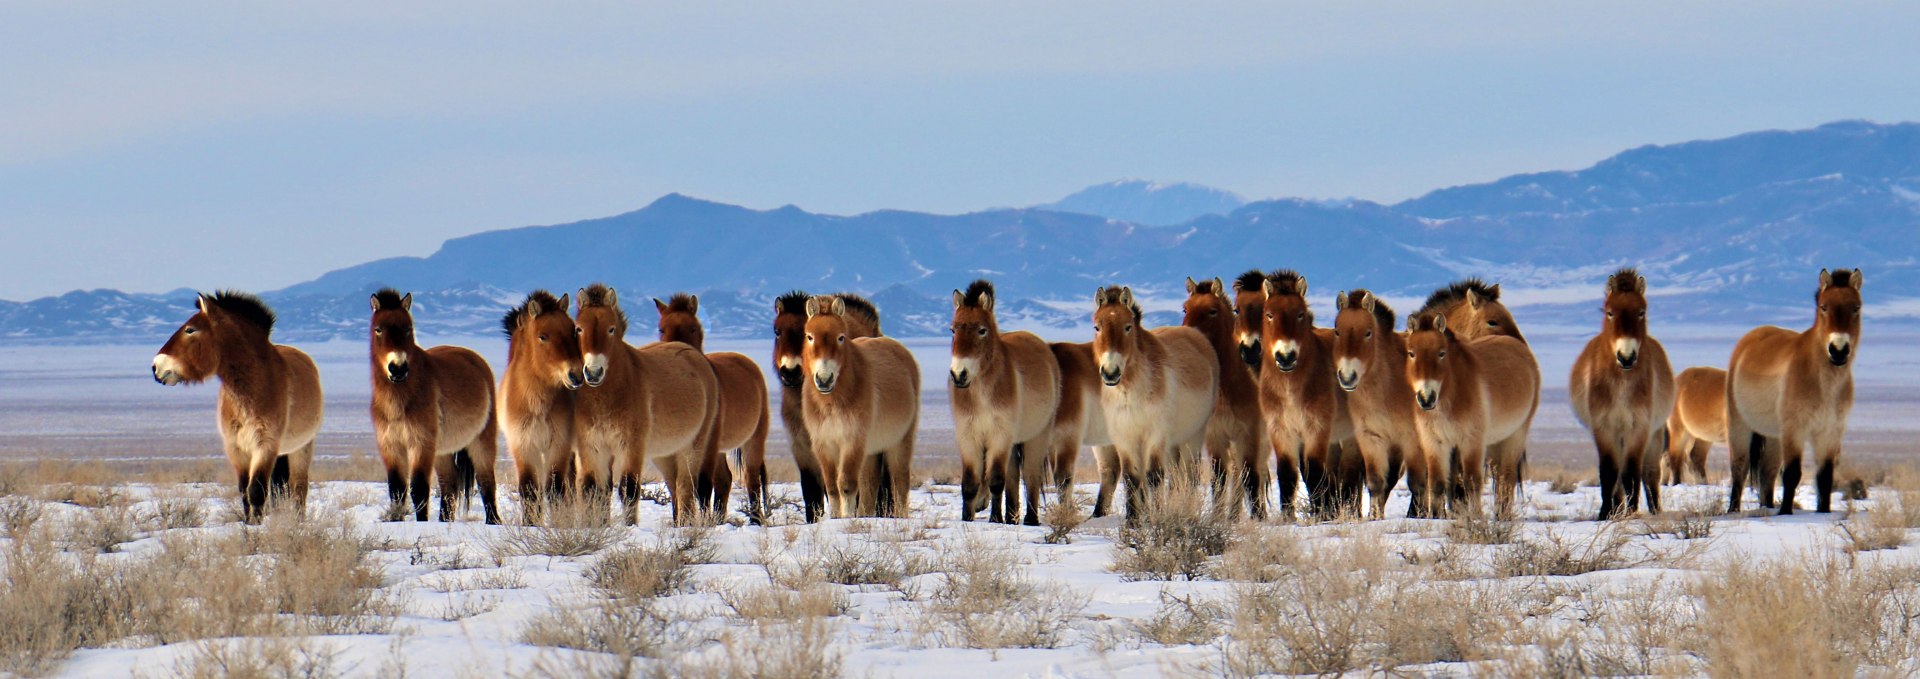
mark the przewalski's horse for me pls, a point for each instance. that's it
(658, 403)
(1080, 421)
(1622, 390)
(1787, 389)
(789, 341)
(1473, 310)
(862, 403)
(1005, 389)
(536, 398)
(1160, 390)
(1476, 400)
(744, 412)
(1306, 414)
(432, 412)
(1368, 360)
(269, 406)
(1699, 420)
(1249, 305)
(1234, 431)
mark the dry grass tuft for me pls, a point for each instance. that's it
(1556, 554)
(1884, 526)
(576, 528)
(1174, 537)
(985, 600)
(651, 570)
(261, 658)
(764, 603)
(1183, 621)
(1060, 520)
(1689, 523)
(797, 564)
(1482, 529)
(1265, 554)
(1807, 616)
(616, 635)
(801, 649)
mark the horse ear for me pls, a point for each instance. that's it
(1340, 301)
(566, 302)
(1367, 301)
(986, 302)
(1473, 298)
(813, 307)
(375, 301)
(1191, 286)
(839, 306)
(1439, 321)
(1100, 296)
(958, 298)
(1268, 288)
(1218, 286)
(1826, 279)
(660, 306)
(205, 302)
(1856, 279)
(1640, 285)
(1126, 295)
(693, 304)
(1300, 288)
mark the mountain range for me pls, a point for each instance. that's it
(1729, 230)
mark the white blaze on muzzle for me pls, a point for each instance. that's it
(396, 359)
(166, 369)
(964, 370)
(789, 363)
(826, 369)
(1347, 370)
(594, 363)
(1839, 341)
(1626, 347)
(1110, 362)
(1427, 390)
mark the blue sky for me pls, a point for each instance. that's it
(255, 145)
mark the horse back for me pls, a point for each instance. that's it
(465, 385)
(1510, 379)
(893, 383)
(1757, 376)
(1038, 375)
(743, 397)
(1193, 380)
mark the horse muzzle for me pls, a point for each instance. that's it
(578, 378)
(1839, 355)
(397, 373)
(166, 377)
(1250, 353)
(1627, 361)
(824, 384)
(1348, 381)
(1427, 400)
(1110, 378)
(789, 377)
(1286, 362)
(960, 379)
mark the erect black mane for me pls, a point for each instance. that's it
(388, 299)
(1842, 278)
(511, 321)
(1383, 315)
(858, 305)
(1250, 281)
(1624, 279)
(974, 290)
(680, 301)
(1285, 279)
(794, 302)
(1455, 293)
(1206, 288)
(245, 306)
(599, 295)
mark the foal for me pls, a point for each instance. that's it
(1786, 389)
(432, 412)
(269, 405)
(1005, 388)
(743, 412)
(1622, 389)
(1233, 433)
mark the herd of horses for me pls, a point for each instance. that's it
(1342, 411)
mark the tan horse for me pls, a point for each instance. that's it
(1306, 414)
(432, 412)
(1787, 389)
(1622, 390)
(1249, 308)
(536, 398)
(1699, 420)
(1473, 309)
(1005, 388)
(1234, 431)
(789, 341)
(1080, 421)
(269, 406)
(1368, 356)
(1476, 400)
(658, 403)
(1160, 390)
(863, 407)
(744, 412)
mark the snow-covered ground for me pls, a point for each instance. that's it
(467, 593)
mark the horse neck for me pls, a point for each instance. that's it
(1386, 353)
(1148, 354)
(1220, 333)
(247, 363)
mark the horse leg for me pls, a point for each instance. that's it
(299, 471)
(753, 470)
(1253, 472)
(420, 459)
(1609, 478)
(1066, 453)
(1033, 473)
(996, 470)
(259, 477)
(446, 472)
(1108, 458)
(971, 477)
(813, 488)
(277, 489)
(485, 454)
(856, 475)
(1286, 473)
(1742, 456)
(1135, 479)
(900, 465)
(1827, 447)
(1789, 460)
(1771, 456)
(1698, 459)
(394, 458)
(1649, 467)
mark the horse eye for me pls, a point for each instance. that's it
(378, 331)
(1300, 316)
(1214, 313)
(1269, 317)
(1129, 327)
(1643, 315)
(1443, 353)
(190, 330)
(1369, 334)
(1336, 333)
(610, 331)
(983, 332)
(843, 339)
(543, 337)
(1823, 308)
(1409, 353)
(809, 337)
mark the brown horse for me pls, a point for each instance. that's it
(1622, 390)
(1306, 414)
(1473, 309)
(1699, 420)
(1367, 357)
(269, 405)
(864, 407)
(1249, 308)
(1005, 388)
(1787, 389)
(1233, 433)
(1160, 390)
(744, 412)
(536, 398)
(658, 403)
(789, 333)
(432, 412)
(1080, 422)
(1476, 401)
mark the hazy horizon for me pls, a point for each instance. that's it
(214, 145)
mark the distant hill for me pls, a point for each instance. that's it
(1730, 230)
(1148, 203)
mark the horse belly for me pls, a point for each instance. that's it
(1757, 397)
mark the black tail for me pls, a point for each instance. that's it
(883, 502)
(281, 476)
(463, 478)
